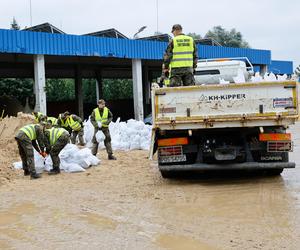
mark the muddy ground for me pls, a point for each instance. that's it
(125, 204)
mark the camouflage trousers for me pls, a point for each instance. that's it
(61, 142)
(26, 153)
(182, 77)
(80, 136)
(107, 141)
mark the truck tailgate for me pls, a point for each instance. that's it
(230, 105)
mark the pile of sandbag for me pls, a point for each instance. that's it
(130, 135)
(72, 159)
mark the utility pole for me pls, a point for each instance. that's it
(30, 11)
(157, 16)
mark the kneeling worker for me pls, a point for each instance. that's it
(26, 138)
(55, 140)
(101, 117)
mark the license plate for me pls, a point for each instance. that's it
(172, 158)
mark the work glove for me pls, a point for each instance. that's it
(99, 124)
(43, 154)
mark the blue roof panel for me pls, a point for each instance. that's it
(28, 42)
(281, 67)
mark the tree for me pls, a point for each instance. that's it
(227, 38)
(19, 88)
(60, 90)
(14, 25)
(194, 35)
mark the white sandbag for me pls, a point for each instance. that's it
(100, 137)
(17, 165)
(71, 167)
(94, 161)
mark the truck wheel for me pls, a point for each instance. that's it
(167, 174)
(274, 171)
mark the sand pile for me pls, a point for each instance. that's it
(9, 126)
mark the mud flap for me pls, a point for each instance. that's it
(152, 145)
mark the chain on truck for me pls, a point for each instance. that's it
(234, 126)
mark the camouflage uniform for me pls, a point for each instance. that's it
(25, 146)
(105, 130)
(180, 76)
(55, 149)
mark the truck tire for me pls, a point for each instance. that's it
(274, 172)
(167, 174)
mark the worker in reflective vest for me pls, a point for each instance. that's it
(76, 125)
(29, 137)
(181, 55)
(62, 121)
(52, 120)
(37, 116)
(55, 140)
(101, 118)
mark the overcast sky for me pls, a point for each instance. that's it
(265, 24)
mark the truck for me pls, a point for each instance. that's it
(235, 126)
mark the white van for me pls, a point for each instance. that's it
(213, 71)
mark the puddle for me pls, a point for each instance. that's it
(181, 243)
(98, 220)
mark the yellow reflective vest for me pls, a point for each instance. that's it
(54, 134)
(38, 117)
(29, 130)
(53, 120)
(74, 125)
(63, 123)
(103, 118)
(183, 49)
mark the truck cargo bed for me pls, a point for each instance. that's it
(225, 105)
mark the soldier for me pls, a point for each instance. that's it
(55, 140)
(101, 118)
(181, 55)
(26, 138)
(52, 120)
(37, 116)
(62, 121)
(76, 126)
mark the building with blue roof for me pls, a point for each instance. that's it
(55, 54)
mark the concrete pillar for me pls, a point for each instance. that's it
(97, 91)
(263, 69)
(99, 85)
(137, 89)
(78, 92)
(40, 83)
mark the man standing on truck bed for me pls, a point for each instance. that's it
(181, 56)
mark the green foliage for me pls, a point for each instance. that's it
(60, 90)
(226, 38)
(194, 35)
(14, 25)
(89, 90)
(19, 88)
(117, 89)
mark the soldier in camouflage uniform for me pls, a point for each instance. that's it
(101, 118)
(74, 125)
(55, 140)
(181, 55)
(27, 138)
(38, 116)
